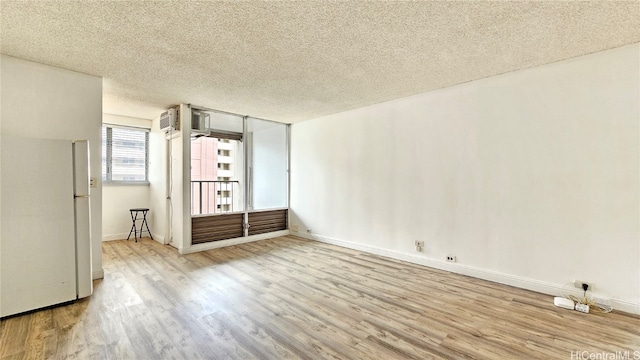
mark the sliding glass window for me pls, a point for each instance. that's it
(239, 176)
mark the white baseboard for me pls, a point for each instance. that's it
(158, 238)
(626, 305)
(230, 242)
(97, 274)
(114, 237)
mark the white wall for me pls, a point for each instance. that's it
(118, 199)
(41, 101)
(530, 178)
(158, 182)
(167, 217)
(160, 211)
(179, 233)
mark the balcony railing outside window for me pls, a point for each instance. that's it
(213, 196)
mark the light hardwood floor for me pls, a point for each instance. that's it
(288, 298)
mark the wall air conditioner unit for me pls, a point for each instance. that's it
(170, 120)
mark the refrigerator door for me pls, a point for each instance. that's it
(82, 205)
(38, 265)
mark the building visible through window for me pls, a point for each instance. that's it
(215, 175)
(125, 154)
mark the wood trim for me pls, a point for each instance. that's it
(267, 221)
(217, 227)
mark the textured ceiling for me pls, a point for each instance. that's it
(291, 61)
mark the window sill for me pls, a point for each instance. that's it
(126, 183)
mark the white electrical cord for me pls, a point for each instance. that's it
(586, 299)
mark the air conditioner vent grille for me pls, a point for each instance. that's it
(169, 120)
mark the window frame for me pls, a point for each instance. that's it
(108, 172)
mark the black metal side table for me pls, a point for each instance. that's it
(134, 218)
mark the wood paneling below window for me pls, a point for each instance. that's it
(267, 221)
(217, 227)
(229, 226)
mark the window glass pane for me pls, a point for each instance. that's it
(128, 155)
(217, 163)
(216, 175)
(268, 163)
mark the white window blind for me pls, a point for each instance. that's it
(125, 154)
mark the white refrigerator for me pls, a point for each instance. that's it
(45, 231)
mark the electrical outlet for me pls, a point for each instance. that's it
(419, 245)
(451, 258)
(578, 284)
(295, 228)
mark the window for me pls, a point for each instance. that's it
(125, 155)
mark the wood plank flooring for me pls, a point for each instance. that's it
(289, 298)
